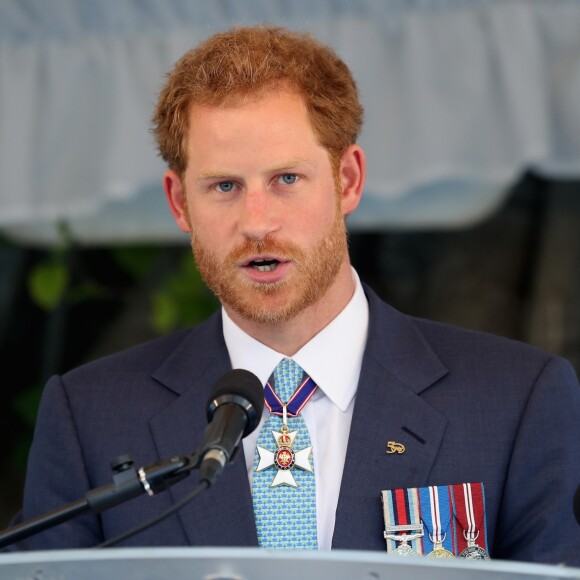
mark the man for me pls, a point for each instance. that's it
(259, 128)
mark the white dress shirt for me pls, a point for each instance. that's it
(333, 359)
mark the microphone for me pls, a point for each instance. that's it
(576, 507)
(234, 409)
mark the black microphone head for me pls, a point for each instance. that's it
(240, 387)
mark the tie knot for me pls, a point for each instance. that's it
(287, 378)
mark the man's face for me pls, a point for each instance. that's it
(261, 204)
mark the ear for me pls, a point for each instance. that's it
(352, 177)
(175, 194)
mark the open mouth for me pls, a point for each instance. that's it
(267, 265)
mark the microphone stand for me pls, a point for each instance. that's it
(128, 483)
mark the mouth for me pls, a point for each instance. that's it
(268, 265)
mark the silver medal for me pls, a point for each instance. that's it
(404, 548)
(473, 551)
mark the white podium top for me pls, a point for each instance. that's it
(255, 564)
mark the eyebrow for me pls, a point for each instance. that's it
(218, 174)
(206, 175)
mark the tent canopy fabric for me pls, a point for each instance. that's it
(461, 97)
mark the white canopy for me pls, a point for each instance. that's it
(461, 97)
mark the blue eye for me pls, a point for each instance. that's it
(288, 178)
(225, 186)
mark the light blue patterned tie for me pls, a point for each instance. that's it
(285, 515)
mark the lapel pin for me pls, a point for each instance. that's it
(394, 447)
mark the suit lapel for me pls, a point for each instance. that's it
(222, 515)
(397, 367)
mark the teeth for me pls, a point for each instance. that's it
(266, 268)
(264, 265)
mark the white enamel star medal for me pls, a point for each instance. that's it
(284, 459)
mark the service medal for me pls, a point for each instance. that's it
(403, 549)
(470, 513)
(474, 552)
(404, 529)
(439, 551)
(437, 513)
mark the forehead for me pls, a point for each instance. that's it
(276, 103)
(273, 122)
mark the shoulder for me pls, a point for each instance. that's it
(139, 364)
(468, 355)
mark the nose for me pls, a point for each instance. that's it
(259, 216)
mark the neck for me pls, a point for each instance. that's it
(290, 336)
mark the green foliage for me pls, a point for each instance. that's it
(25, 406)
(48, 280)
(47, 284)
(183, 299)
(136, 260)
(87, 291)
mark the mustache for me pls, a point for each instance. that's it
(267, 246)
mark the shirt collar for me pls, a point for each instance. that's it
(332, 358)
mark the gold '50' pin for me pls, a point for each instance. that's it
(394, 447)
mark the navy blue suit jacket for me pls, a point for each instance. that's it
(479, 408)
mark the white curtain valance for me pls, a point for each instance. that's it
(461, 97)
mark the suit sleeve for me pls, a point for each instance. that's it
(56, 476)
(537, 521)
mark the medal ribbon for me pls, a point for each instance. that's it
(436, 513)
(401, 508)
(415, 516)
(298, 400)
(469, 502)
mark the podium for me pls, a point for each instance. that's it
(257, 564)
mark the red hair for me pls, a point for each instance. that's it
(249, 61)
